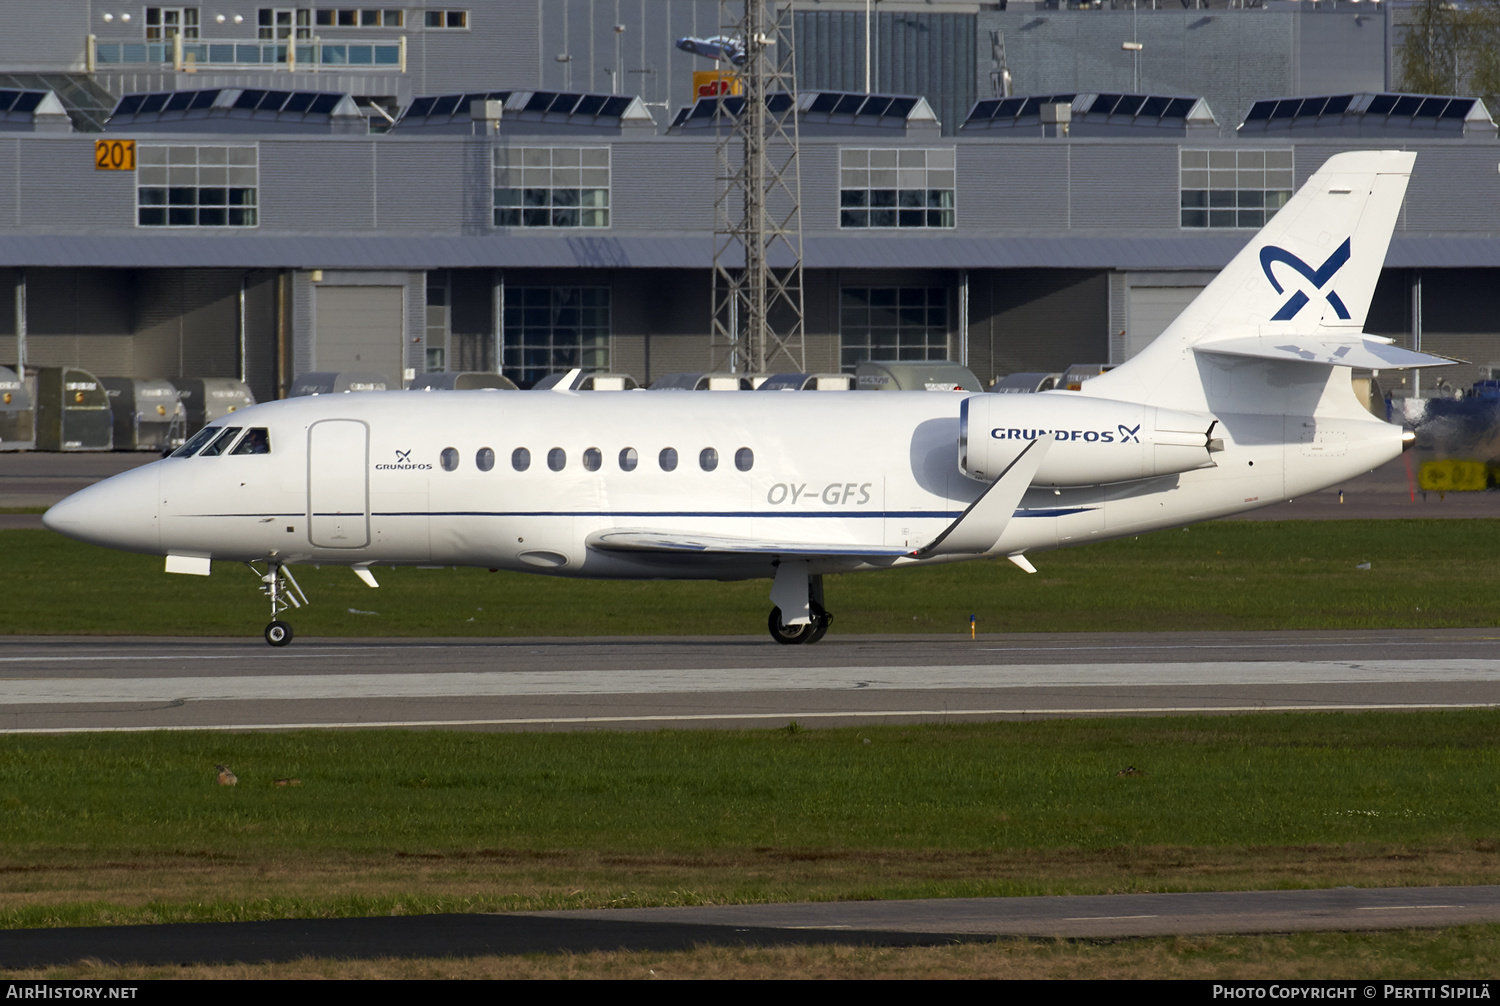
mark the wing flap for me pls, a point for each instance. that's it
(680, 542)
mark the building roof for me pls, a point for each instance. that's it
(453, 113)
(1370, 114)
(837, 111)
(29, 110)
(1101, 114)
(235, 110)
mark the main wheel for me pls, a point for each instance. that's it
(820, 622)
(278, 633)
(790, 635)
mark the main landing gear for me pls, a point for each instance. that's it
(281, 587)
(799, 615)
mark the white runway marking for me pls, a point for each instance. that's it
(41, 690)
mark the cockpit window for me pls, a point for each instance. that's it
(257, 441)
(200, 438)
(220, 445)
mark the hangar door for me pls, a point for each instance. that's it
(1152, 309)
(361, 328)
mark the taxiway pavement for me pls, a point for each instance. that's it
(66, 684)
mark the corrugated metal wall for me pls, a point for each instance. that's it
(1230, 57)
(431, 185)
(329, 184)
(333, 185)
(927, 54)
(186, 323)
(1036, 320)
(662, 186)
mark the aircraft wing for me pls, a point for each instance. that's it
(633, 540)
(976, 531)
(1370, 352)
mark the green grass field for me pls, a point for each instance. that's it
(132, 828)
(1224, 576)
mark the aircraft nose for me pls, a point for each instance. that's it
(121, 512)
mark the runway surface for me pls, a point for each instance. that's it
(868, 923)
(56, 684)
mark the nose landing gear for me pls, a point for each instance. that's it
(278, 584)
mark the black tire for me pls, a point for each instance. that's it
(789, 635)
(278, 633)
(821, 619)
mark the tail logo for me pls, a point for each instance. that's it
(1318, 277)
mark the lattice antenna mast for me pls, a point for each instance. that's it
(757, 275)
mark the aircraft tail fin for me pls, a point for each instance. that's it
(1311, 272)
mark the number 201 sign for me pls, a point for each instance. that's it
(114, 155)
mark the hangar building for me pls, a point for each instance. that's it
(307, 189)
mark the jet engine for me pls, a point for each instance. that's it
(1095, 441)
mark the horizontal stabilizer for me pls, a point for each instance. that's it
(632, 540)
(1373, 354)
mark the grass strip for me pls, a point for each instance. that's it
(1232, 575)
(102, 829)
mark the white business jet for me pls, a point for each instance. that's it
(1245, 400)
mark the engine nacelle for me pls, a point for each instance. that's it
(1096, 441)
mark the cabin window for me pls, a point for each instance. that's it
(520, 459)
(257, 441)
(896, 188)
(557, 459)
(708, 459)
(629, 459)
(1234, 188)
(485, 459)
(668, 459)
(450, 458)
(221, 445)
(744, 459)
(592, 459)
(200, 438)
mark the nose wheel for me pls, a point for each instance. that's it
(278, 633)
(278, 584)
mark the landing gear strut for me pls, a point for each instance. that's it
(799, 615)
(278, 584)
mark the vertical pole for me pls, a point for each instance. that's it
(755, 190)
(21, 323)
(497, 305)
(1416, 329)
(963, 318)
(283, 305)
(244, 373)
(867, 46)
